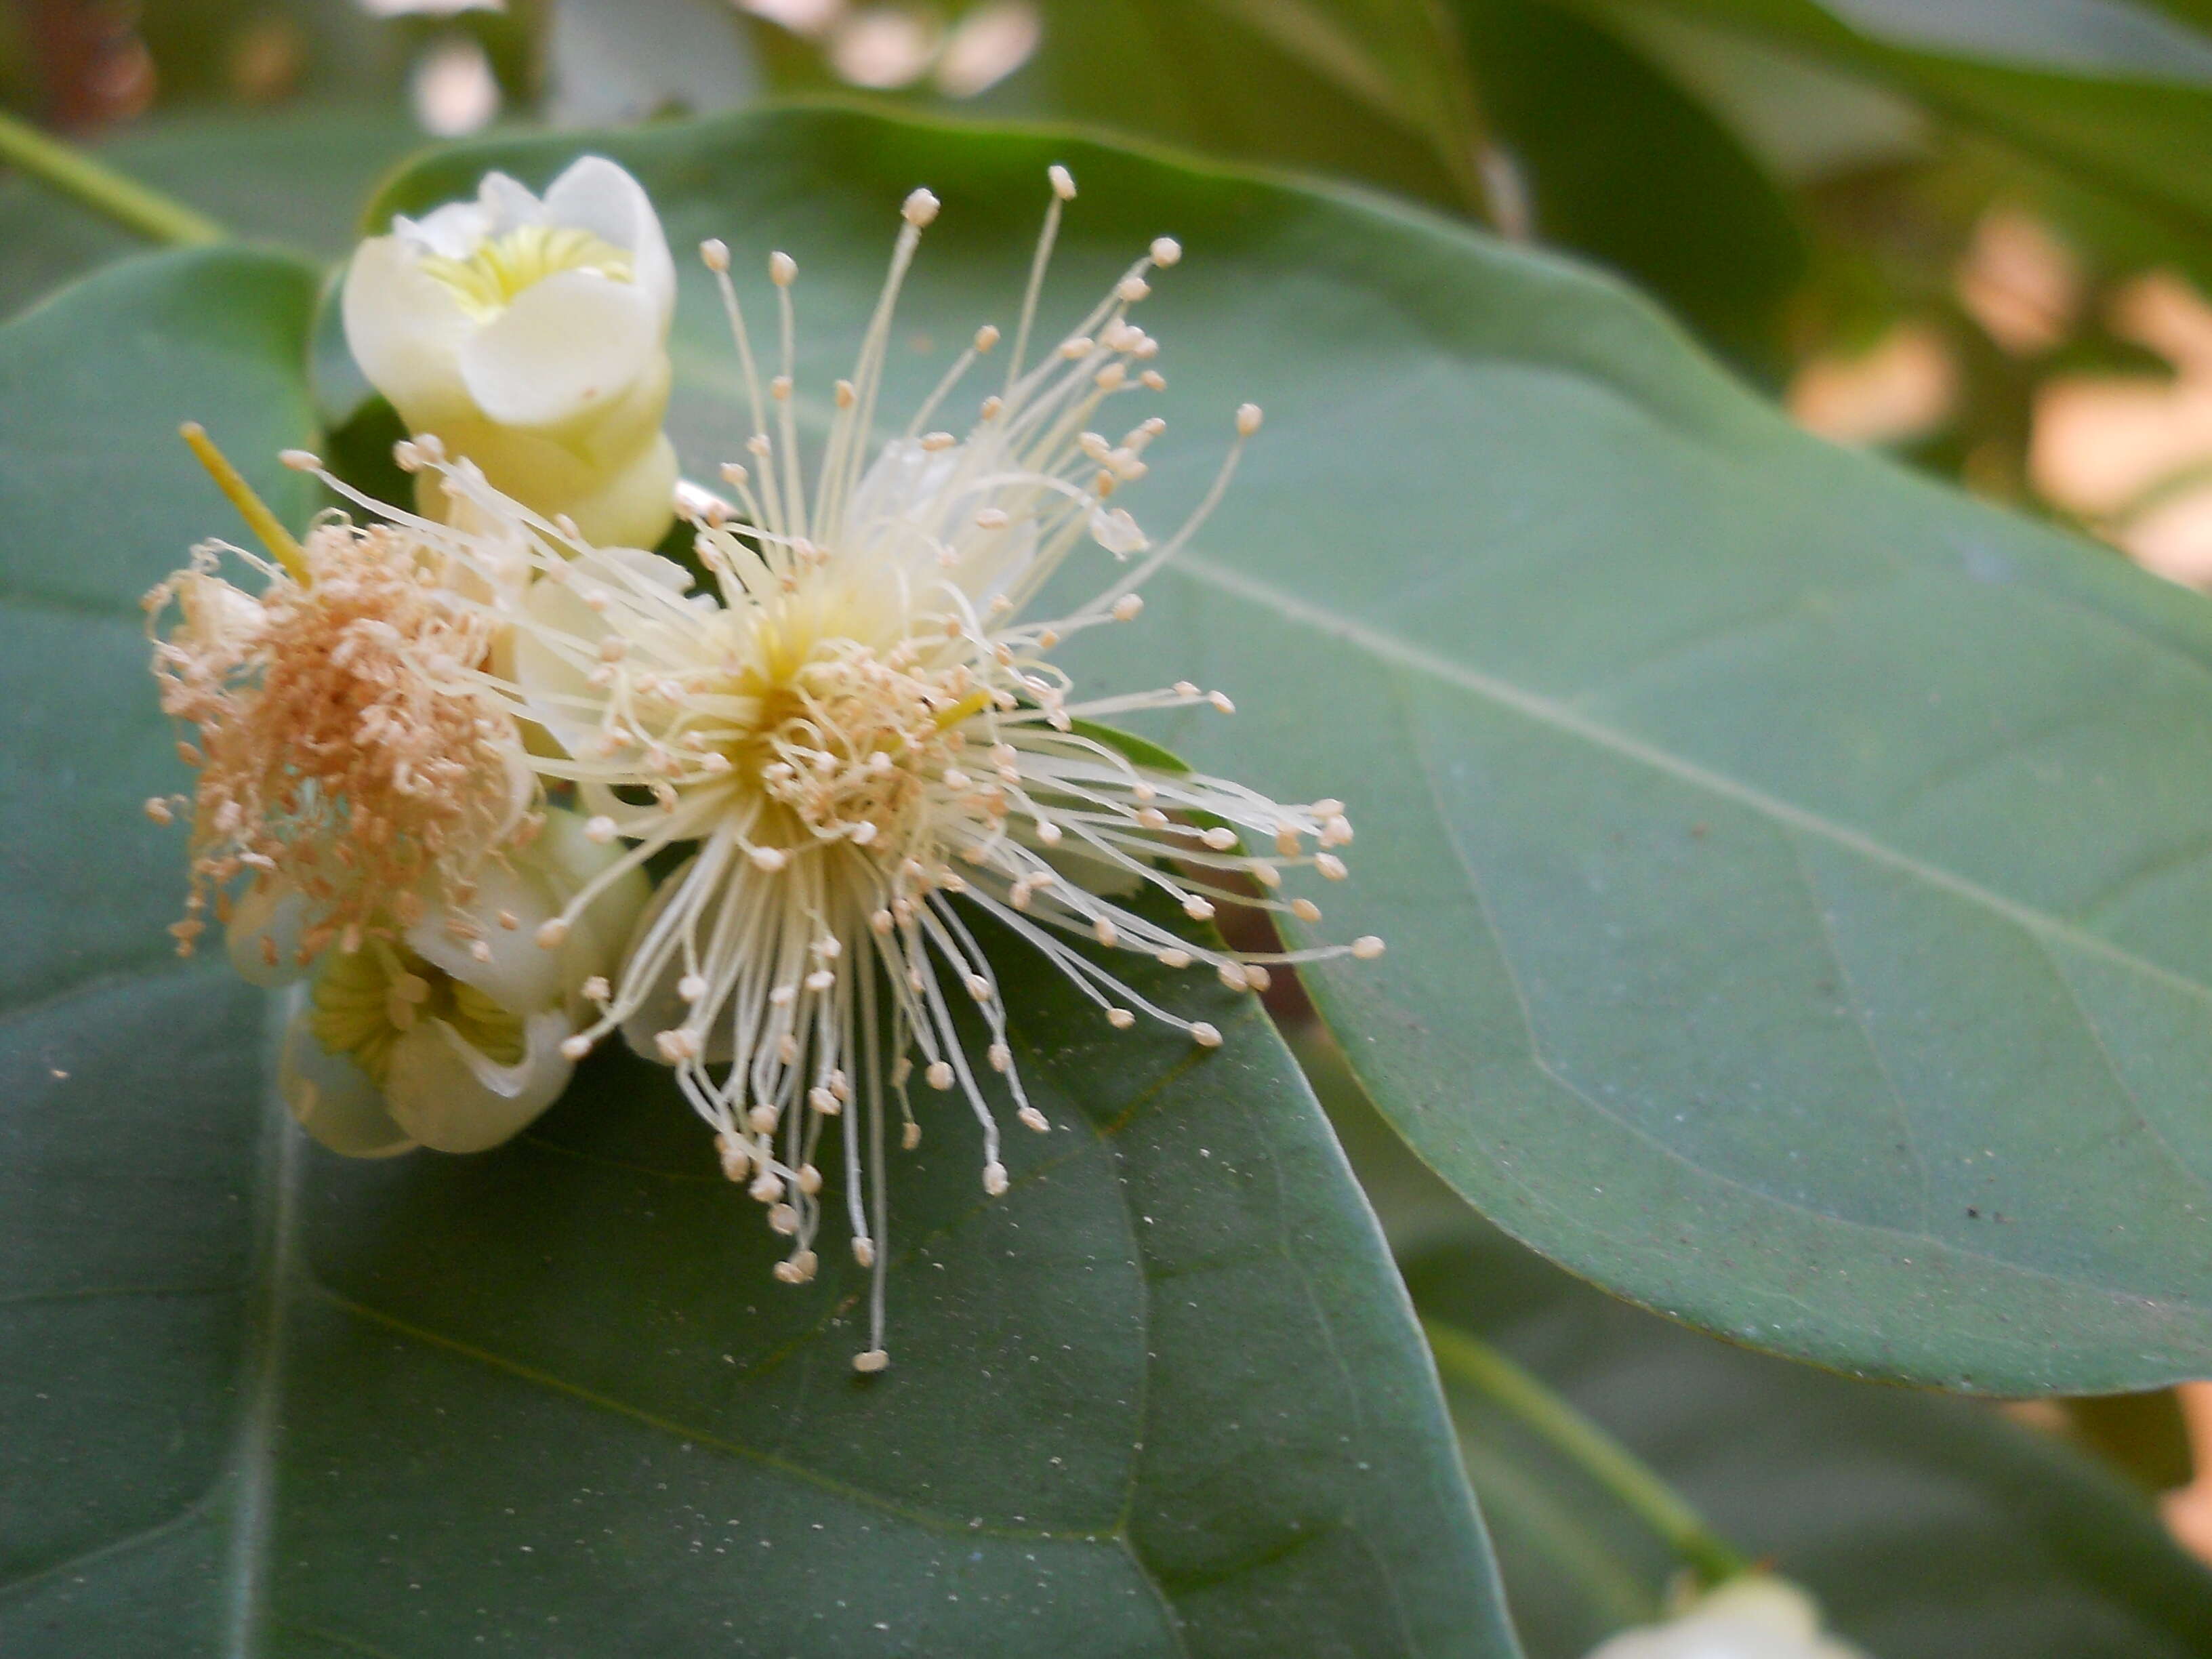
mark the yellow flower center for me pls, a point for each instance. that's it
(843, 735)
(365, 1000)
(487, 281)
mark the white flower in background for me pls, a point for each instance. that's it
(855, 728)
(1754, 1617)
(446, 1037)
(532, 336)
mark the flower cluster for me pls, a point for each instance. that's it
(842, 734)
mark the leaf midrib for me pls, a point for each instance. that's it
(1399, 652)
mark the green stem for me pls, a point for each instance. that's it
(101, 188)
(1467, 1359)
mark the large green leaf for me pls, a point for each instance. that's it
(1796, 874)
(1166, 1397)
(1930, 1528)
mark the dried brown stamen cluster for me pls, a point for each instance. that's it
(338, 751)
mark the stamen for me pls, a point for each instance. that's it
(251, 508)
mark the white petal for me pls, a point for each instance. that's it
(1757, 1602)
(451, 232)
(566, 346)
(662, 573)
(521, 976)
(507, 205)
(404, 330)
(899, 484)
(1754, 1617)
(333, 1099)
(549, 680)
(274, 911)
(596, 195)
(569, 859)
(451, 1098)
(907, 504)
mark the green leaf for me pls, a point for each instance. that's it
(1929, 1528)
(1796, 874)
(2094, 109)
(1166, 1397)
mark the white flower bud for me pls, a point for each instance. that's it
(1757, 1616)
(532, 336)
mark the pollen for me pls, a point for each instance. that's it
(343, 750)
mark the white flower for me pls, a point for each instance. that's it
(532, 337)
(863, 746)
(448, 1036)
(1754, 1616)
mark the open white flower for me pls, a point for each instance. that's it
(448, 1036)
(1757, 1616)
(863, 746)
(531, 336)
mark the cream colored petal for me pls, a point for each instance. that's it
(270, 912)
(569, 860)
(567, 345)
(453, 1099)
(507, 204)
(633, 504)
(451, 232)
(907, 506)
(1757, 1602)
(333, 1099)
(558, 691)
(520, 976)
(404, 330)
(596, 195)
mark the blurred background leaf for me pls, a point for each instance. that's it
(1371, 89)
(1932, 1528)
(1929, 1528)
